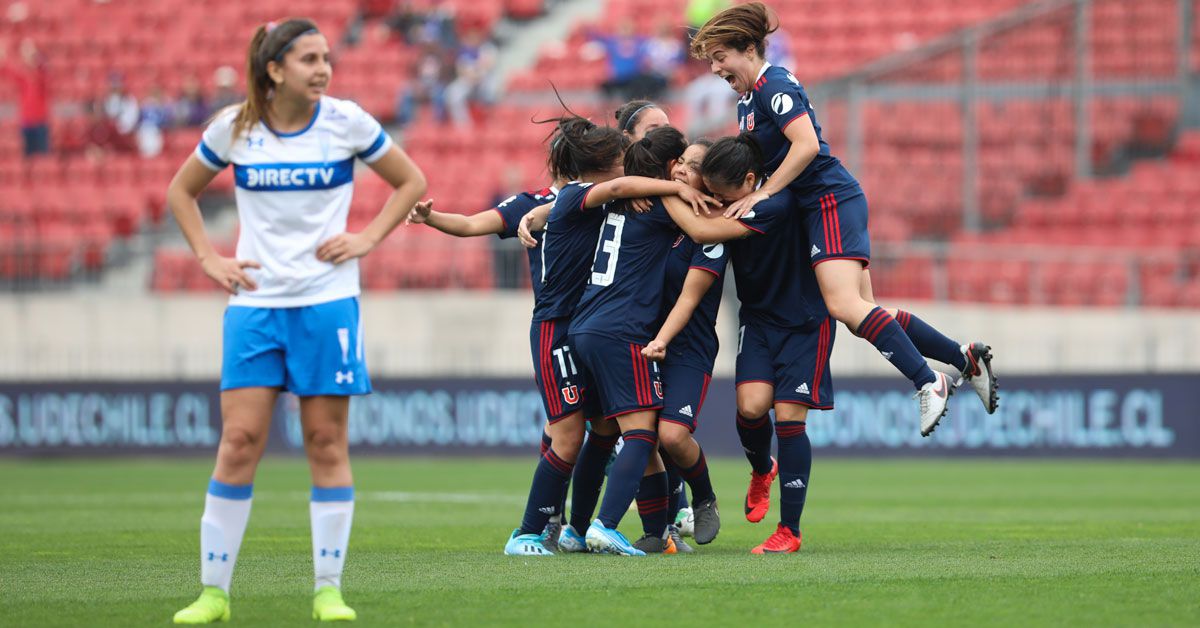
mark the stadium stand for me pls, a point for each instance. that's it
(911, 162)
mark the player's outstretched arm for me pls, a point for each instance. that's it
(642, 187)
(805, 147)
(409, 185)
(486, 222)
(702, 229)
(184, 189)
(695, 286)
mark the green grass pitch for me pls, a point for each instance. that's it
(115, 543)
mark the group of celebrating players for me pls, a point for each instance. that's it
(628, 246)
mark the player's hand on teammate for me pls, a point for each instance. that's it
(642, 205)
(229, 272)
(655, 350)
(743, 206)
(420, 212)
(697, 199)
(344, 246)
(525, 231)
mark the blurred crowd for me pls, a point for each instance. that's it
(114, 122)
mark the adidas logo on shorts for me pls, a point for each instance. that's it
(687, 411)
(796, 483)
(803, 389)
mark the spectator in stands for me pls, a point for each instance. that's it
(120, 106)
(101, 136)
(225, 77)
(437, 26)
(428, 86)
(708, 101)
(628, 61)
(664, 53)
(474, 81)
(191, 109)
(31, 80)
(156, 115)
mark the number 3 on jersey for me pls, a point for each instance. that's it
(610, 245)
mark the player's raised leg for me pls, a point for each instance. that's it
(972, 360)
(246, 420)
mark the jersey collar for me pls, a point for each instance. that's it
(758, 80)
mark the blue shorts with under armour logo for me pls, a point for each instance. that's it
(309, 351)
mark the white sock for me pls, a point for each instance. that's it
(226, 512)
(332, 510)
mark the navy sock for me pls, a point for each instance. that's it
(674, 486)
(931, 342)
(697, 478)
(588, 478)
(546, 493)
(881, 330)
(756, 442)
(795, 465)
(653, 503)
(625, 475)
(562, 508)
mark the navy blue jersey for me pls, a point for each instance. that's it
(511, 210)
(623, 299)
(776, 101)
(775, 282)
(696, 345)
(567, 244)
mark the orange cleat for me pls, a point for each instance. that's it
(758, 496)
(782, 542)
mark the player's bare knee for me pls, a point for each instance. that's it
(843, 307)
(240, 447)
(326, 446)
(753, 408)
(674, 438)
(567, 445)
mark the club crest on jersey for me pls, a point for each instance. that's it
(658, 389)
(749, 121)
(570, 394)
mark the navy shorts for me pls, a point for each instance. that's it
(796, 363)
(625, 381)
(556, 371)
(309, 350)
(837, 228)
(685, 387)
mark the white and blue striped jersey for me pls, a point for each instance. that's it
(293, 192)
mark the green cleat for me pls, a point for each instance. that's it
(211, 606)
(328, 606)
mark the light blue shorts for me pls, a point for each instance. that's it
(311, 350)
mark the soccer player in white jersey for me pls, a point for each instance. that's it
(293, 317)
